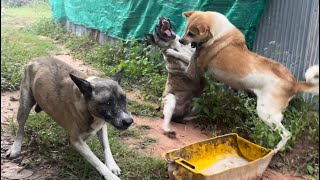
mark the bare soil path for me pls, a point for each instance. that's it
(186, 133)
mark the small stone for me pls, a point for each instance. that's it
(25, 162)
(279, 165)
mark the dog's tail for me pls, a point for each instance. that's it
(311, 85)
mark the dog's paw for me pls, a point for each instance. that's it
(113, 177)
(13, 153)
(114, 168)
(170, 134)
(170, 52)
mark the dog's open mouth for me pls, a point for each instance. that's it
(164, 29)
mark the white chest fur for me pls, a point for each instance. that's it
(97, 124)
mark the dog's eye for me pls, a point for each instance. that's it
(106, 102)
(190, 34)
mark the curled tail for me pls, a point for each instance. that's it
(311, 85)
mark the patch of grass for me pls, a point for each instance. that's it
(17, 46)
(142, 109)
(25, 15)
(132, 132)
(44, 135)
(146, 141)
(311, 165)
(143, 127)
(13, 127)
(17, 49)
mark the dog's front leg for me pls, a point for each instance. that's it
(191, 70)
(109, 161)
(177, 55)
(82, 147)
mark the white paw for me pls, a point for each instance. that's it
(114, 168)
(13, 152)
(170, 52)
(112, 177)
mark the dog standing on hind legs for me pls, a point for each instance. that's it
(222, 50)
(180, 89)
(80, 104)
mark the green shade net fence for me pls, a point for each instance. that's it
(127, 19)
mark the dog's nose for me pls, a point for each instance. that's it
(127, 122)
(181, 41)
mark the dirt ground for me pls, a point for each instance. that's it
(186, 134)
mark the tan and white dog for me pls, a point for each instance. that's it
(222, 51)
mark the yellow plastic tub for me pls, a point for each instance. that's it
(227, 157)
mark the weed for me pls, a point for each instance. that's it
(146, 141)
(143, 127)
(132, 132)
(13, 127)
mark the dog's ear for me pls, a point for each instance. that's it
(150, 38)
(202, 28)
(187, 14)
(117, 77)
(83, 85)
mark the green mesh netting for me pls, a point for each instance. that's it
(126, 19)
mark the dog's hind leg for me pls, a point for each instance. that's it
(109, 161)
(269, 110)
(82, 147)
(285, 135)
(168, 109)
(26, 102)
